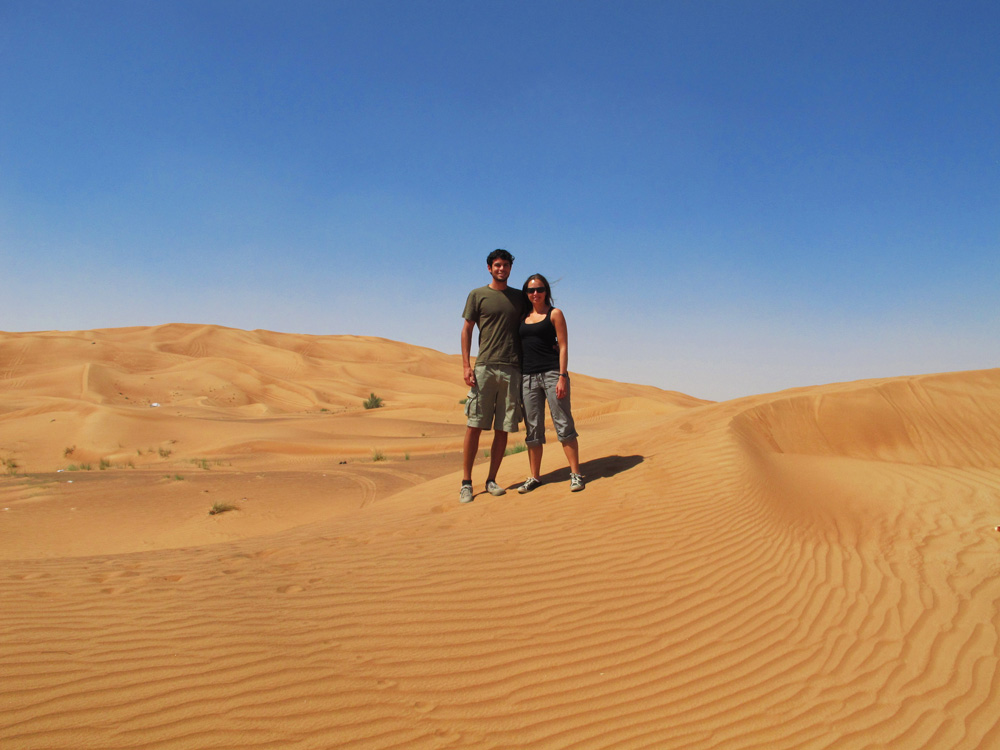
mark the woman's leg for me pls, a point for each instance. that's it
(533, 395)
(572, 450)
(562, 418)
(535, 460)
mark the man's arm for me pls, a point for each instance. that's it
(469, 374)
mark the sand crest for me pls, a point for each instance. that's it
(809, 569)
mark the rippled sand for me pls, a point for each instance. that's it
(815, 568)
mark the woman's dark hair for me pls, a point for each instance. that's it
(545, 283)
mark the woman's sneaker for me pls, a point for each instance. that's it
(465, 496)
(495, 489)
(529, 484)
(576, 482)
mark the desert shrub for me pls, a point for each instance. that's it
(378, 455)
(373, 402)
(519, 448)
(218, 508)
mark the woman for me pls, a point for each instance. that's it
(544, 377)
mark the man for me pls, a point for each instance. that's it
(495, 397)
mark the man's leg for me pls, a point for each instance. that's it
(469, 450)
(496, 453)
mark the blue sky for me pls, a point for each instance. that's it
(731, 197)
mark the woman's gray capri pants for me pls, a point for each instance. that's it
(536, 389)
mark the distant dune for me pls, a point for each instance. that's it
(815, 568)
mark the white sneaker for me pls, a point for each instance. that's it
(495, 489)
(576, 482)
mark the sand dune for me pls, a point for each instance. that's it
(810, 569)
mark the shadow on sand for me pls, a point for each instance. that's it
(596, 469)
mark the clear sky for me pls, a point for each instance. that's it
(731, 197)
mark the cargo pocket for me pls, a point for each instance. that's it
(473, 410)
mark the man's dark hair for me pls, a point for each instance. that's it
(501, 254)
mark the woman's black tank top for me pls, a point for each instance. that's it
(539, 346)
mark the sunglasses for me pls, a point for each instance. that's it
(535, 289)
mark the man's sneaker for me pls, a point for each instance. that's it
(529, 484)
(465, 496)
(576, 482)
(495, 489)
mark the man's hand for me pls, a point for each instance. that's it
(469, 374)
(561, 389)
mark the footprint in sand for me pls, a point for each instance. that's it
(450, 736)
(242, 557)
(265, 553)
(30, 576)
(105, 577)
(293, 589)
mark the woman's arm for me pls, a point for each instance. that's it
(559, 321)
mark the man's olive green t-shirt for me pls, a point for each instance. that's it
(498, 315)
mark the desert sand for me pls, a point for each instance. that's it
(815, 568)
